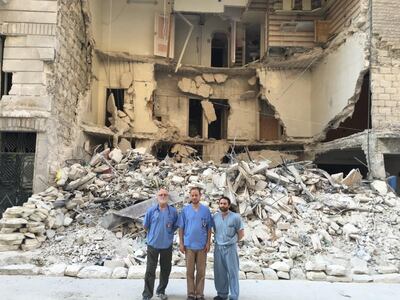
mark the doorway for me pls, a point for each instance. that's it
(219, 50)
(17, 157)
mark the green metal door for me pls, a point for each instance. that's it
(17, 157)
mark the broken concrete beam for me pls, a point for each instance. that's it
(81, 181)
(209, 78)
(184, 84)
(199, 80)
(204, 90)
(220, 78)
(353, 178)
(209, 111)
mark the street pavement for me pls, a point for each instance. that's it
(57, 288)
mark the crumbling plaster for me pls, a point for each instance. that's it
(308, 100)
(243, 114)
(109, 74)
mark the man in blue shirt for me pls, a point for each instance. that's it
(160, 222)
(195, 223)
(229, 230)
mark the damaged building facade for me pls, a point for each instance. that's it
(303, 77)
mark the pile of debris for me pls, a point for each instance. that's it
(300, 222)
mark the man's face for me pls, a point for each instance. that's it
(195, 196)
(162, 196)
(223, 205)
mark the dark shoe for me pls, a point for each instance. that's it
(200, 298)
(146, 298)
(191, 298)
(162, 296)
(220, 298)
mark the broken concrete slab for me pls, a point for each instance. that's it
(209, 111)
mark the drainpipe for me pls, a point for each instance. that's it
(186, 41)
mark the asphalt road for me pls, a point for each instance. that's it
(55, 288)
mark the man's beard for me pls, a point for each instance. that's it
(224, 209)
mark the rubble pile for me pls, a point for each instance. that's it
(300, 222)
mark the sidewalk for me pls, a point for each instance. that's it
(57, 288)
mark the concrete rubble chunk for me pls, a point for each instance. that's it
(137, 272)
(209, 111)
(386, 278)
(297, 274)
(336, 270)
(119, 273)
(353, 178)
(209, 78)
(56, 270)
(116, 155)
(387, 269)
(249, 266)
(269, 274)
(316, 276)
(72, 270)
(95, 272)
(380, 187)
(280, 266)
(220, 78)
(24, 269)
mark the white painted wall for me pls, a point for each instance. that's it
(129, 27)
(334, 80)
(291, 97)
(198, 50)
(307, 103)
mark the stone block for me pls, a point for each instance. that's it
(25, 269)
(386, 278)
(119, 273)
(297, 274)
(362, 278)
(137, 272)
(72, 270)
(316, 276)
(254, 276)
(54, 270)
(335, 270)
(269, 274)
(95, 272)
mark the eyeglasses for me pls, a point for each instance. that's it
(163, 195)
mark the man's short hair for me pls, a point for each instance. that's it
(226, 198)
(195, 188)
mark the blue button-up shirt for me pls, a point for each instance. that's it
(160, 225)
(195, 225)
(226, 228)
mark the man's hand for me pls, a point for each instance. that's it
(182, 248)
(207, 248)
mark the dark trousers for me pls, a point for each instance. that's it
(165, 270)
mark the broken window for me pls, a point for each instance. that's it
(253, 34)
(119, 101)
(5, 77)
(195, 118)
(270, 128)
(219, 50)
(218, 129)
